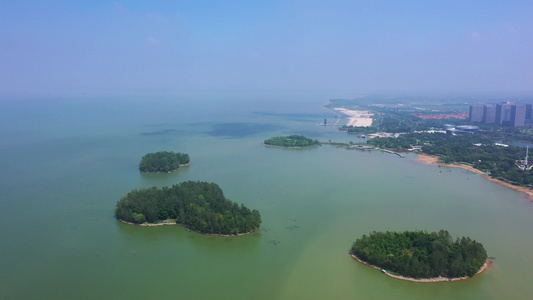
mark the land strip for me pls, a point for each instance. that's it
(180, 224)
(432, 160)
(483, 268)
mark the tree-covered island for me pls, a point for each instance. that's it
(291, 141)
(421, 255)
(200, 206)
(163, 161)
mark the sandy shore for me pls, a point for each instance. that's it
(431, 160)
(483, 268)
(179, 224)
(359, 118)
(427, 159)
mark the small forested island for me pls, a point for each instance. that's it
(200, 206)
(291, 141)
(163, 161)
(421, 256)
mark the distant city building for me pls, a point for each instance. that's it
(529, 115)
(489, 114)
(503, 114)
(506, 114)
(518, 116)
(476, 113)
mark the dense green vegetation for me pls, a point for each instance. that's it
(497, 161)
(163, 161)
(292, 141)
(200, 206)
(420, 254)
(506, 134)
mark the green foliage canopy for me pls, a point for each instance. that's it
(292, 141)
(163, 161)
(419, 254)
(200, 206)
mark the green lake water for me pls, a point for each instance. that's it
(65, 163)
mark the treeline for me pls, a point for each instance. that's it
(507, 133)
(291, 141)
(475, 150)
(419, 254)
(163, 161)
(200, 206)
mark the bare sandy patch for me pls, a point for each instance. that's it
(358, 118)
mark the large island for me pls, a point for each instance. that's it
(291, 141)
(421, 256)
(200, 206)
(163, 161)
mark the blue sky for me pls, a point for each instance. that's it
(49, 47)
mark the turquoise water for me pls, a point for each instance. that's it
(65, 163)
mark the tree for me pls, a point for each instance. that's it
(199, 205)
(420, 254)
(163, 161)
(291, 141)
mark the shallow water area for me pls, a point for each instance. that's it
(65, 163)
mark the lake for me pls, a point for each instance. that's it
(64, 163)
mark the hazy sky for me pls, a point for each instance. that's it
(365, 46)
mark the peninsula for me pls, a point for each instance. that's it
(420, 256)
(474, 153)
(291, 141)
(163, 161)
(446, 133)
(200, 206)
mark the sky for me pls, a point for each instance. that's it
(49, 47)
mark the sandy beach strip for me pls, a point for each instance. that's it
(179, 224)
(358, 118)
(431, 160)
(427, 159)
(483, 268)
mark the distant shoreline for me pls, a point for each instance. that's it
(179, 224)
(483, 268)
(173, 171)
(267, 145)
(432, 160)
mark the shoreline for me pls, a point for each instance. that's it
(308, 147)
(173, 171)
(483, 268)
(179, 224)
(432, 160)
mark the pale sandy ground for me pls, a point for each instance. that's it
(174, 223)
(431, 160)
(359, 118)
(483, 268)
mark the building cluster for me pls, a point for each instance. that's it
(506, 114)
(462, 129)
